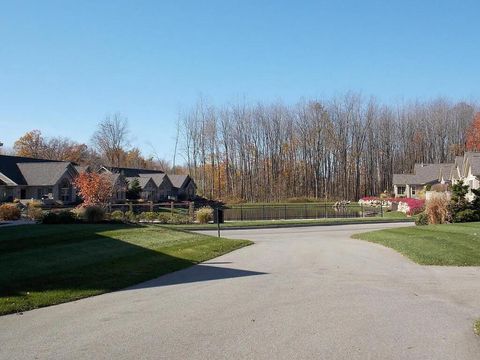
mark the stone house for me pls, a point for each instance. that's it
(467, 169)
(410, 185)
(181, 187)
(165, 189)
(184, 187)
(26, 178)
(149, 188)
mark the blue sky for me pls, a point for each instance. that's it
(65, 64)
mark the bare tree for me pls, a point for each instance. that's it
(111, 138)
(340, 148)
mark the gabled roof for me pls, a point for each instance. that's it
(131, 172)
(179, 181)
(158, 179)
(424, 174)
(143, 181)
(402, 179)
(82, 168)
(431, 172)
(9, 167)
(474, 163)
(457, 169)
(44, 174)
(117, 179)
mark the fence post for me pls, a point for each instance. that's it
(151, 206)
(218, 221)
(361, 207)
(241, 212)
(171, 207)
(305, 211)
(130, 207)
(285, 211)
(263, 212)
(381, 209)
(191, 211)
(325, 208)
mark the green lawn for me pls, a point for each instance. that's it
(388, 217)
(476, 327)
(448, 244)
(42, 265)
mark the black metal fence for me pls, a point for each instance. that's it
(298, 211)
(182, 208)
(253, 212)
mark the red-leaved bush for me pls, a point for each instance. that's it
(95, 189)
(410, 206)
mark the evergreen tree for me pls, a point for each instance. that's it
(134, 190)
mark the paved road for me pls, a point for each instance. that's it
(304, 293)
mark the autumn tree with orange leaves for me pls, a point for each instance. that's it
(95, 189)
(473, 134)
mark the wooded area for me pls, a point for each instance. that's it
(342, 148)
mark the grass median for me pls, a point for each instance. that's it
(42, 265)
(447, 244)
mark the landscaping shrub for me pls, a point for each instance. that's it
(94, 214)
(386, 195)
(411, 206)
(66, 217)
(148, 216)
(422, 219)
(131, 216)
(34, 213)
(117, 215)
(458, 202)
(163, 217)
(9, 212)
(467, 215)
(179, 219)
(79, 212)
(34, 210)
(437, 209)
(204, 215)
(34, 203)
(439, 187)
(50, 218)
(62, 217)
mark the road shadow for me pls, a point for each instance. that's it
(196, 273)
(80, 260)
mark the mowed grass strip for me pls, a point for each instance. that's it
(447, 244)
(42, 265)
(388, 217)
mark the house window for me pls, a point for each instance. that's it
(65, 191)
(401, 190)
(414, 191)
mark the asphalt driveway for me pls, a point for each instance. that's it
(297, 293)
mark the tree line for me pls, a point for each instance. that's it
(340, 148)
(109, 145)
